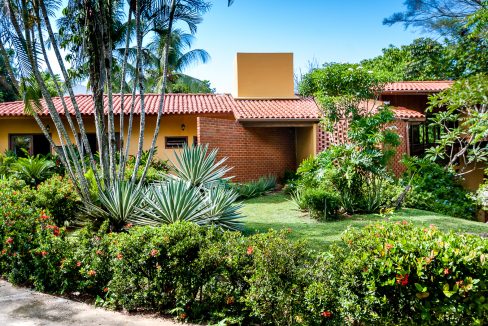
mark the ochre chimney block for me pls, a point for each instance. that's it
(264, 76)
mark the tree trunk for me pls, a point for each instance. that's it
(163, 89)
(69, 88)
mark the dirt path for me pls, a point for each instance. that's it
(24, 307)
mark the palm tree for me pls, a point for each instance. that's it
(180, 57)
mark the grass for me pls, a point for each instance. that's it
(277, 212)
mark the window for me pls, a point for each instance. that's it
(29, 144)
(195, 140)
(92, 140)
(175, 142)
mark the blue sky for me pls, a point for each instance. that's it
(319, 30)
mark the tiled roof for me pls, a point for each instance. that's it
(417, 86)
(174, 104)
(299, 108)
(403, 113)
(278, 109)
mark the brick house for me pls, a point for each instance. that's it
(263, 127)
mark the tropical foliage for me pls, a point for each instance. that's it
(255, 188)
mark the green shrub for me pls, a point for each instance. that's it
(321, 204)
(435, 189)
(58, 195)
(157, 268)
(399, 274)
(255, 188)
(33, 169)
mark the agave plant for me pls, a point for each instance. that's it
(256, 188)
(223, 211)
(198, 166)
(120, 203)
(33, 169)
(172, 201)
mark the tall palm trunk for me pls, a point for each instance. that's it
(141, 90)
(60, 92)
(69, 88)
(163, 89)
(122, 161)
(63, 136)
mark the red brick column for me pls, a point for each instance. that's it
(253, 152)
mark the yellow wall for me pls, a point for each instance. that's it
(264, 75)
(170, 126)
(305, 142)
(473, 179)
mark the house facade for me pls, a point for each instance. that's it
(262, 127)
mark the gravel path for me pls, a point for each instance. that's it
(24, 307)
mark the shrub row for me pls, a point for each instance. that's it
(382, 274)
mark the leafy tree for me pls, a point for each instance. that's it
(464, 123)
(8, 89)
(445, 17)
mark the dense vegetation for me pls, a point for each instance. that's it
(384, 273)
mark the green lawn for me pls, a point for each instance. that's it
(277, 212)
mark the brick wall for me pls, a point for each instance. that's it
(339, 136)
(253, 152)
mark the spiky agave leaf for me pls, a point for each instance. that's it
(223, 211)
(198, 166)
(172, 201)
(120, 203)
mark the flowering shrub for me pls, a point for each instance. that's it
(400, 274)
(383, 274)
(58, 195)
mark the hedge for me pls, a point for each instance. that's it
(382, 274)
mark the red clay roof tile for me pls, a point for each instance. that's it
(271, 109)
(431, 86)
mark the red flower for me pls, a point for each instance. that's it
(404, 222)
(78, 264)
(154, 252)
(44, 216)
(388, 246)
(120, 256)
(446, 271)
(128, 225)
(9, 240)
(99, 252)
(402, 279)
(326, 314)
(250, 250)
(44, 253)
(91, 272)
(105, 290)
(183, 316)
(4, 251)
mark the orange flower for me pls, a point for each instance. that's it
(183, 316)
(446, 271)
(120, 256)
(99, 252)
(404, 222)
(388, 246)
(91, 272)
(250, 250)
(402, 279)
(129, 225)
(105, 290)
(44, 253)
(326, 314)
(154, 252)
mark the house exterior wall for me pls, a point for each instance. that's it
(252, 152)
(413, 102)
(264, 75)
(171, 125)
(339, 136)
(306, 142)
